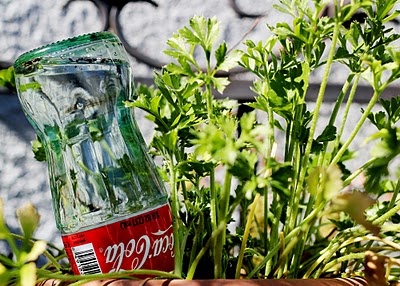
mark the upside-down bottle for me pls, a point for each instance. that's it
(109, 203)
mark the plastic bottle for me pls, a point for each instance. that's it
(109, 203)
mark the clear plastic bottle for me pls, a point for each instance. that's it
(109, 203)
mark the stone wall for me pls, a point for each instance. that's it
(26, 24)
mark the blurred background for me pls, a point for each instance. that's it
(145, 27)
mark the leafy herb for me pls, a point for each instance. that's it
(296, 193)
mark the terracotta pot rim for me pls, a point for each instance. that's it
(221, 282)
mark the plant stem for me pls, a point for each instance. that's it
(210, 241)
(289, 237)
(325, 256)
(350, 178)
(394, 195)
(222, 213)
(294, 205)
(274, 251)
(127, 274)
(344, 258)
(209, 91)
(284, 255)
(213, 202)
(347, 108)
(175, 218)
(357, 128)
(335, 111)
(380, 220)
(274, 236)
(246, 235)
(197, 239)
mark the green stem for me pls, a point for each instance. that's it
(222, 213)
(198, 237)
(246, 235)
(324, 256)
(213, 201)
(284, 255)
(380, 220)
(175, 218)
(335, 112)
(46, 252)
(344, 258)
(270, 154)
(128, 274)
(210, 97)
(357, 128)
(294, 207)
(347, 109)
(394, 195)
(201, 253)
(350, 178)
(273, 252)
(274, 236)
(288, 238)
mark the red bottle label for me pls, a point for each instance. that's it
(143, 241)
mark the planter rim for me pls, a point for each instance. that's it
(221, 282)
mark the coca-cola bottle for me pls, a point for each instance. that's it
(109, 203)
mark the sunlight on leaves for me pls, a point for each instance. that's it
(28, 274)
(38, 248)
(325, 182)
(355, 204)
(28, 218)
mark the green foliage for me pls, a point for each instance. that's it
(20, 267)
(186, 116)
(7, 78)
(300, 195)
(301, 212)
(38, 150)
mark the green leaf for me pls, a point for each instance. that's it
(4, 232)
(355, 204)
(28, 274)
(283, 31)
(384, 8)
(28, 218)
(244, 165)
(162, 81)
(329, 134)
(7, 78)
(200, 168)
(230, 61)
(326, 183)
(391, 17)
(220, 53)
(179, 49)
(38, 150)
(378, 119)
(167, 141)
(284, 9)
(220, 83)
(37, 249)
(206, 32)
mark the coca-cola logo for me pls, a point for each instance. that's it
(140, 250)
